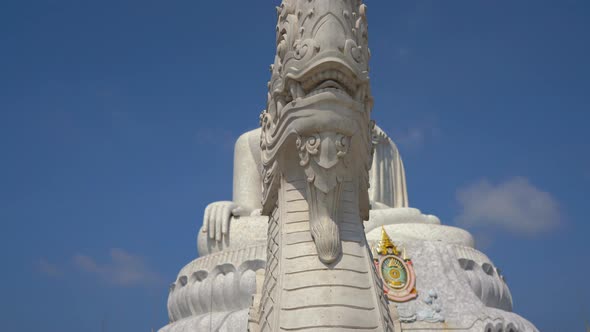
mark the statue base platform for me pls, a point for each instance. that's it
(459, 288)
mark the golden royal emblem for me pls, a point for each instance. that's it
(396, 271)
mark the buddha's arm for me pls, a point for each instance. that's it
(246, 188)
(387, 176)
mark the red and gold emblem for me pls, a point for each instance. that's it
(395, 270)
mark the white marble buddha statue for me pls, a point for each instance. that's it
(216, 288)
(388, 193)
(319, 183)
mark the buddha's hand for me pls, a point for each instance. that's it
(217, 217)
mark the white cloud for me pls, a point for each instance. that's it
(48, 269)
(215, 137)
(123, 269)
(412, 137)
(514, 205)
(415, 137)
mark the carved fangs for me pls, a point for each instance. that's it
(332, 80)
(296, 90)
(343, 81)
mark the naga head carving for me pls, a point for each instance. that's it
(321, 47)
(319, 104)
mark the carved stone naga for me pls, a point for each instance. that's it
(316, 144)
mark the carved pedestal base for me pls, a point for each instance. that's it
(459, 287)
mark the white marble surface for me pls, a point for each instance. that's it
(393, 216)
(230, 321)
(461, 306)
(242, 232)
(424, 232)
(388, 176)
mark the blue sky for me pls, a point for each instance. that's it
(117, 120)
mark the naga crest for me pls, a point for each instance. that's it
(319, 107)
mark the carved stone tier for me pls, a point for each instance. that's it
(471, 294)
(422, 232)
(214, 292)
(398, 215)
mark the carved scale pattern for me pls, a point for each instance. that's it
(344, 296)
(270, 295)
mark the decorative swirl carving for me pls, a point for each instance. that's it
(342, 145)
(320, 154)
(307, 146)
